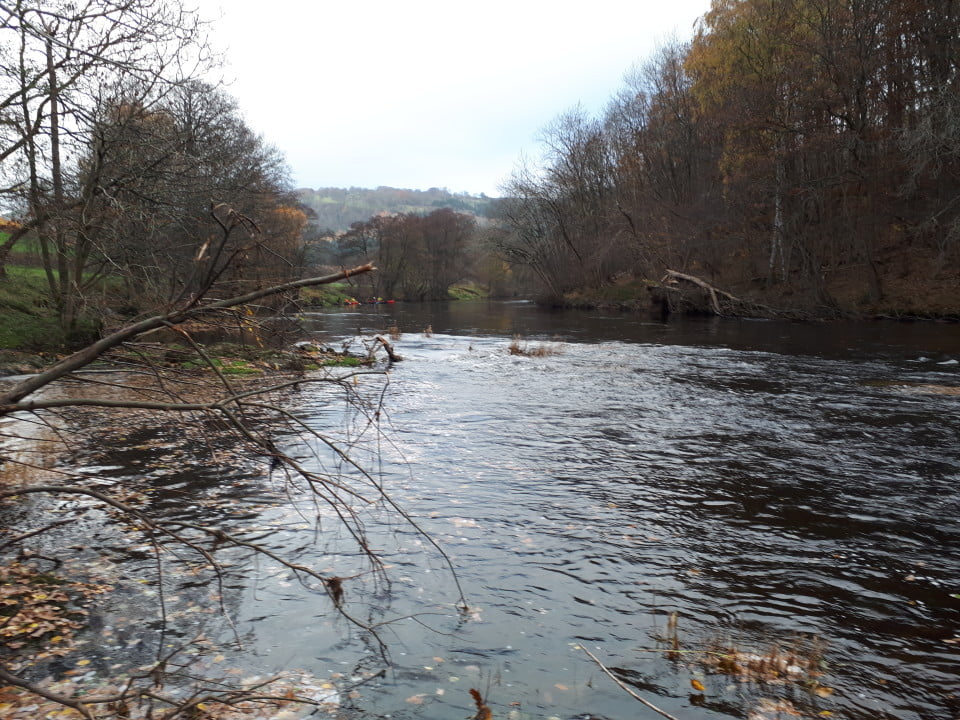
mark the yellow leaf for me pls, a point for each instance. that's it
(81, 663)
(824, 691)
(697, 685)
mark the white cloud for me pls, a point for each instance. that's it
(426, 92)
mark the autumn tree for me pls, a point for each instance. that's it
(666, 184)
(156, 172)
(418, 257)
(560, 213)
(446, 238)
(797, 149)
(67, 67)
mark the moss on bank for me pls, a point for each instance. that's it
(468, 291)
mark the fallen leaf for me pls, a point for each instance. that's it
(697, 685)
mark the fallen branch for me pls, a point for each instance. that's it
(619, 682)
(380, 339)
(673, 276)
(734, 305)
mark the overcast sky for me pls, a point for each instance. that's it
(428, 93)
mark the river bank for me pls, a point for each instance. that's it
(933, 295)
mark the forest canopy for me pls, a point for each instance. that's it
(805, 151)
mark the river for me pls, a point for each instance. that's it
(741, 518)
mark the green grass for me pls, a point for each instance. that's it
(27, 244)
(341, 361)
(467, 291)
(326, 295)
(28, 320)
(234, 367)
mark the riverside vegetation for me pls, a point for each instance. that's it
(140, 206)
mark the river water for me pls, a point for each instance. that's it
(739, 518)
(770, 483)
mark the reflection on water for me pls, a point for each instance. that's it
(766, 482)
(762, 480)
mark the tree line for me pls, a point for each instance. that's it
(336, 209)
(802, 149)
(418, 257)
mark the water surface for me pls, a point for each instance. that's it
(768, 485)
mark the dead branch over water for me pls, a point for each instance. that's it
(239, 421)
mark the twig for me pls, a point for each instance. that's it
(24, 536)
(11, 679)
(619, 682)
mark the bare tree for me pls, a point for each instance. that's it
(63, 64)
(561, 213)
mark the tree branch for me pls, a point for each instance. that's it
(82, 358)
(11, 679)
(619, 682)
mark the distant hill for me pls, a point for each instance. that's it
(338, 208)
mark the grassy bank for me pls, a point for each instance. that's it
(468, 291)
(28, 322)
(338, 293)
(327, 295)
